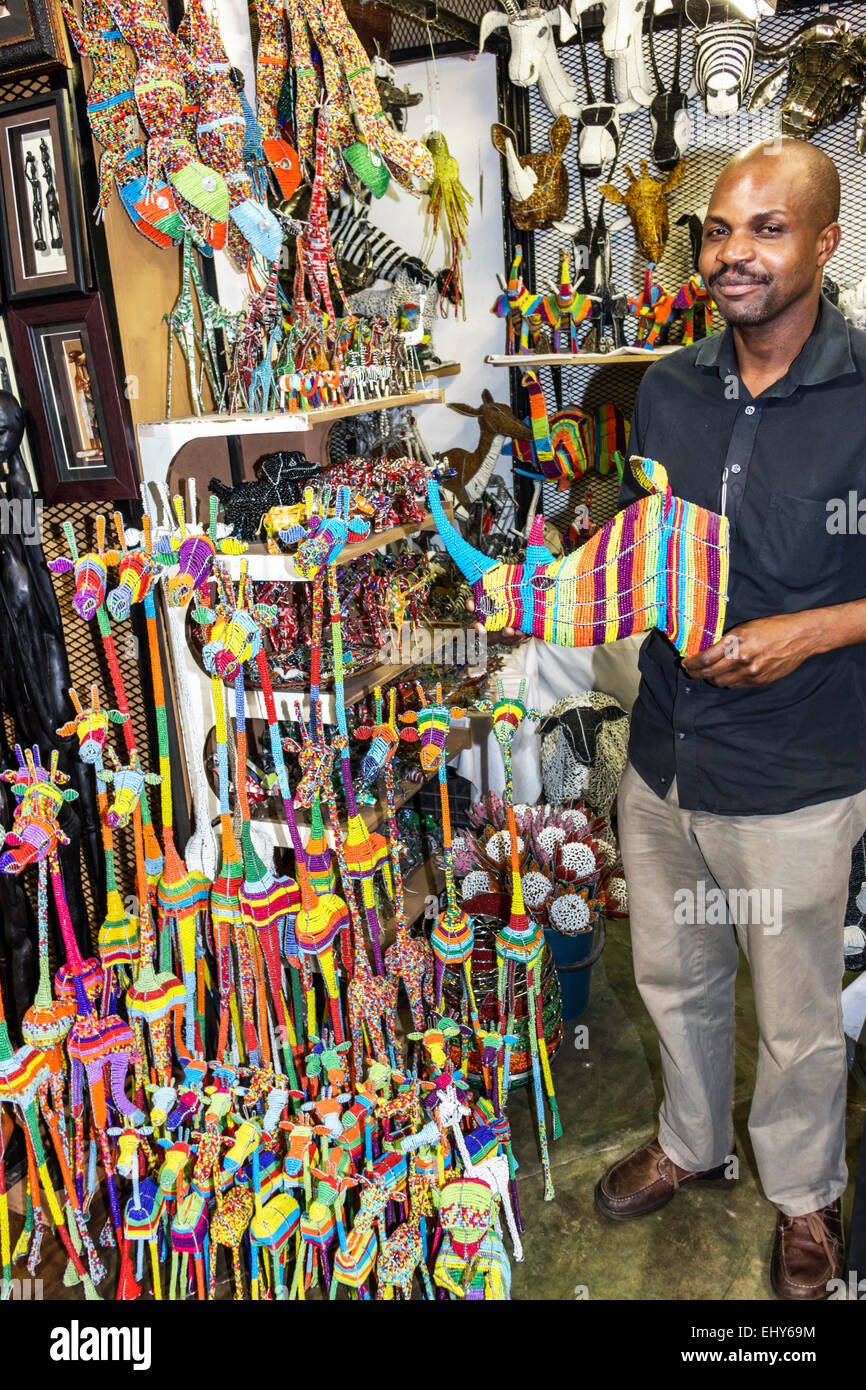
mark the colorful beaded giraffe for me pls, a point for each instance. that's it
(91, 579)
(93, 1044)
(454, 933)
(521, 941)
(233, 632)
(118, 936)
(409, 959)
(318, 252)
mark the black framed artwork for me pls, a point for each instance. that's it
(41, 232)
(70, 388)
(32, 37)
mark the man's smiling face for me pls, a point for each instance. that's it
(766, 237)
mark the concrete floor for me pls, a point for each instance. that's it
(710, 1243)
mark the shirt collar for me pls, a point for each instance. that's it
(825, 355)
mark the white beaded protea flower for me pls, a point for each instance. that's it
(570, 914)
(576, 819)
(475, 882)
(537, 888)
(577, 859)
(459, 844)
(521, 808)
(617, 890)
(499, 846)
(550, 837)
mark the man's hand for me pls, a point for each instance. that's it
(508, 636)
(759, 652)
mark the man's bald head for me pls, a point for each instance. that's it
(770, 229)
(813, 175)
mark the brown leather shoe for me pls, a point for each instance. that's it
(645, 1181)
(808, 1252)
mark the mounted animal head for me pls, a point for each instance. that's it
(533, 52)
(234, 628)
(90, 571)
(572, 601)
(825, 65)
(90, 725)
(537, 183)
(41, 793)
(669, 109)
(598, 136)
(129, 787)
(646, 205)
(622, 42)
(724, 56)
(433, 721)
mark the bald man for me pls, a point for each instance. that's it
(744, 792)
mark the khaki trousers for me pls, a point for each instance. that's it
(698, 884)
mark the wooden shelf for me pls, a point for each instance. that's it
(444, 369)
(261, 564)
(179, 430)
(628, 357)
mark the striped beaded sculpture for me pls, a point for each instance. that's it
(661, 562)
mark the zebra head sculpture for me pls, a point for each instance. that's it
(724, 57)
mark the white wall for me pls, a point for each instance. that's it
(466, 108)
(464, 99)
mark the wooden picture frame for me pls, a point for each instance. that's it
(32, 38)
(42, 237)
(71, 392)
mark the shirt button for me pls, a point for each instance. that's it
(687, 689)
(735, 468)
(750, 410)
(681, 735)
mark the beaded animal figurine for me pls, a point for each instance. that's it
(409, 959)
(521, 941)
(660, 562)
(454, 933)
(220, 132)
(118, 936)
(113, 117)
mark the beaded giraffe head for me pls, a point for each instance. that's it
(90, 725)
(234, 627)
(434, 721)
(90, 571)
(41, 793)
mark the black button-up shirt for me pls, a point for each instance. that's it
(788, 467)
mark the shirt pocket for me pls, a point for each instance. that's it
(798, 549)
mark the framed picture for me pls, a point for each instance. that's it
(41, 232)
(32, 37)
(70, 389)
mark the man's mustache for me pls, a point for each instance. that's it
(740, 276)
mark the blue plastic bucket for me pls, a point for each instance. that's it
(574, 984)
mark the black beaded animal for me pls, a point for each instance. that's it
(280, 484)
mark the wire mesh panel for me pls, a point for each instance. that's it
(712, 142)
(87, 665)
(412, 38)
